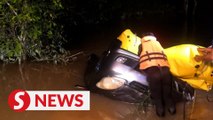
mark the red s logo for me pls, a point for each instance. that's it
(19, 100)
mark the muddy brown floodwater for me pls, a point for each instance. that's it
(43, 76)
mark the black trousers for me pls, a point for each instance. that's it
(160, 82)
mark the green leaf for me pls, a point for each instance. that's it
(14, 1)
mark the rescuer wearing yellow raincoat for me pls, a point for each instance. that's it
(154, 63)
(182, 59)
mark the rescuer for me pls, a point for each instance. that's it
(154, 63)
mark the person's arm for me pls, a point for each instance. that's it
(205, 50)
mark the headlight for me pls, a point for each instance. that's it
(110, 83)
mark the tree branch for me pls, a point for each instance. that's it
(12, 9)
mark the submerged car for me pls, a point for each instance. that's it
(115, 74)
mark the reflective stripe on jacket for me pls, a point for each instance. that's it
(152, 54)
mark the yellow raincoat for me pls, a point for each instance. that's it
(183, 65)
(129, 41)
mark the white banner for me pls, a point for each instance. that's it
(20, 100)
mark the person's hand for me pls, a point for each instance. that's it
(206, 54)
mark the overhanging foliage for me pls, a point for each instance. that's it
(28, 28)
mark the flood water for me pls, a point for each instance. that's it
(47, 76)
(42, 76)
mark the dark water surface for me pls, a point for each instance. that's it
(42, 76)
